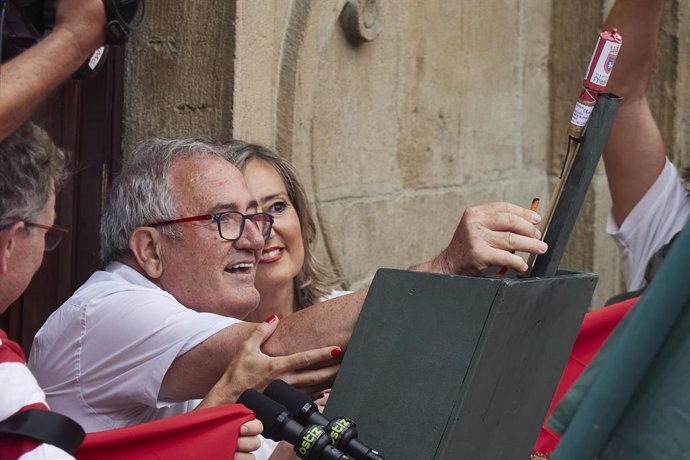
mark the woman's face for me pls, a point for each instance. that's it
(283, 253)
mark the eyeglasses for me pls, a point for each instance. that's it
(230, 223)
(53, 236)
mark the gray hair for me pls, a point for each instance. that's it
(31, 167)
(314, 279)
(141, 194)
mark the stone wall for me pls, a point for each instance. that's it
(444, 104)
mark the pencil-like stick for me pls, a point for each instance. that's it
(558, 187)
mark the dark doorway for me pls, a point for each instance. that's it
(85, 118)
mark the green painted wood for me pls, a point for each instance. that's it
(452, 367)
(576, 185)
(639, 376)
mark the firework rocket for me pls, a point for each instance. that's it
(597, 76)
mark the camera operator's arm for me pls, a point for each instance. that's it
(28, 78)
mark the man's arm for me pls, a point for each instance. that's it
(634, 155)
(489, 235)
(485, 236)
(330, 323)
(27, 79)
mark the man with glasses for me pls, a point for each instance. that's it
(181, 239)
(31, 169)
(53, 234)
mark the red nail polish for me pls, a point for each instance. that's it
(336, 352)
(271, 319)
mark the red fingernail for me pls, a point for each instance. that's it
(271, 319)
(336, 352)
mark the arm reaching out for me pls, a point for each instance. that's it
(28, 78)
(485, 236)
(251, 368)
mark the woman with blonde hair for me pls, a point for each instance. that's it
(289, 276)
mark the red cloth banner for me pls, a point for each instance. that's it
(205, 434)
(595, 329)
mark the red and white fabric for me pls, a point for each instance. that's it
(19, 392)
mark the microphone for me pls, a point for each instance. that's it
(310, 443)
(342, 431)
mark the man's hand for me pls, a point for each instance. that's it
(84, 20)
(251, 368)
(488, 235)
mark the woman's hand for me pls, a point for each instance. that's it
(310, 371)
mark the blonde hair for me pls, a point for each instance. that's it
(314, 279)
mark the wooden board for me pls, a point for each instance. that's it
(450, 367)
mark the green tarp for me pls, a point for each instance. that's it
(633, 401)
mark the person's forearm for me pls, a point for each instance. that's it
(329, 323)
(435, 265)
(634, 155)
(638, 22)
(28, 78)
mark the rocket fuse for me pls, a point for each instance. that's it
(596, 78)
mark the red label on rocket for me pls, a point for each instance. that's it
(603, 59)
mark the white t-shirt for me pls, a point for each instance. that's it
(101, 357)
(658, 216)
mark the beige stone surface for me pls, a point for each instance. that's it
(179, 71)
(258, 50)
(455, 102)
(375, 233)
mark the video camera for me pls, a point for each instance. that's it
(26, 22)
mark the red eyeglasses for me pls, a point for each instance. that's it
(230, 223)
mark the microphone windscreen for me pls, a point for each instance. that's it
(293, 399)
(267, 411)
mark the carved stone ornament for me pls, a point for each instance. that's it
(360, 20)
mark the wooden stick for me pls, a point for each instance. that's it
(556, 195)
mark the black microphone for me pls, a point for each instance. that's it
(310, 443)
(343, 432)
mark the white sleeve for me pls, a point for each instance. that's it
(658, 216)
(131, 340)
